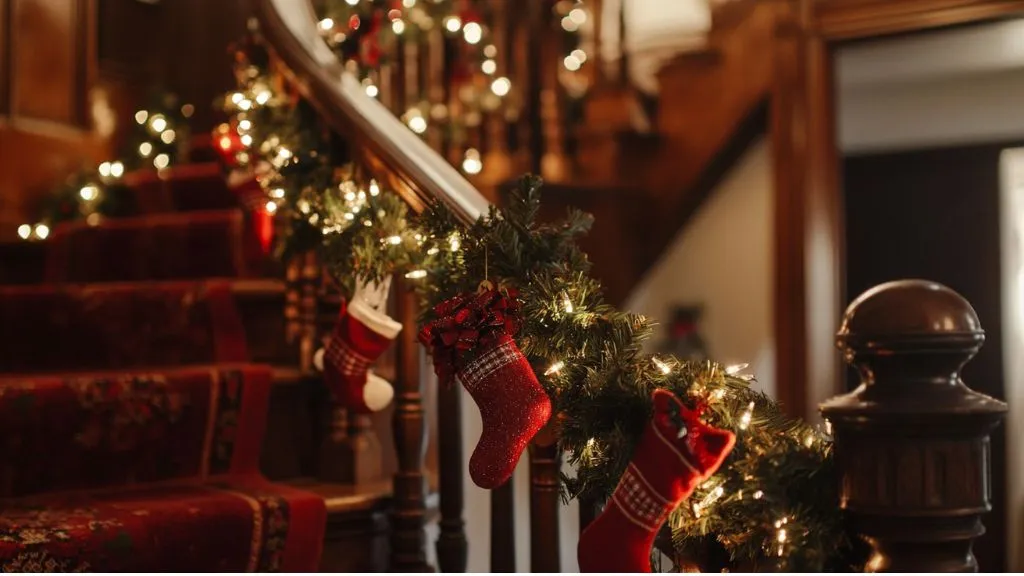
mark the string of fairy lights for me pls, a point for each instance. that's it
(155, 142)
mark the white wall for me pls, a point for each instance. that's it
(723, 259)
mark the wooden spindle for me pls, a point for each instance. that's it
(545, 460)
(503, 529)
(309, 307)
(452, 547)
(436, 92)
(408, 537)
(554, 164)
(497, 162)
(912, 442)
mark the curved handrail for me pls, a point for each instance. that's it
(410, 166)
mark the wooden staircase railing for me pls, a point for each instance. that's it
(911, 444)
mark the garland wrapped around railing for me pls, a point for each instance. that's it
(773, 504)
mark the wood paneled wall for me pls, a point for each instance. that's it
(72, 72)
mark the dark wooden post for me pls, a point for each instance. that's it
(503, 528)
(545, 460)
(408, 538)
(912, 442)
(452, 548)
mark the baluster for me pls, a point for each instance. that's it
(553, 163)
(309, 309)
(408, 538)
(452, 548)
(497, 163)
(293, 305)
(503, 528)
(526, 71)
(435, 87)
(912, 442)
(545, 460)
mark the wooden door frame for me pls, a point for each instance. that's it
(809, 252)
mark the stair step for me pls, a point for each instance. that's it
(186, 245)
(22, 262)
(129, 325)
(183, 188)
(167, 458)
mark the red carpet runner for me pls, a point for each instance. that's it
(177, 455)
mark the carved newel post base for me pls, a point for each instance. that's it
(912, 442)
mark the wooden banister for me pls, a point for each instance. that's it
(380, 140)
(912, 442)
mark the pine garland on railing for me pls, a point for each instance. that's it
(773, 503)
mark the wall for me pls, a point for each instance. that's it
(722, 259)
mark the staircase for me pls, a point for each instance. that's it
(711, 105)
(137, 369)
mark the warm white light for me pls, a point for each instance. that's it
(24, 231)
(145, 149)
(104, 169)
(472, 32)
(567, 304)
(490, 50)
(758, 495)
(236, 97)
(42, 231)
(246, 140)
(271, 206)
(263, 97)
(454, 242)
(417, 123)
(141, 116)
(117, 169)
(349, 196)
(472, 164)
(554, 368)
(374, 188)
(572, 63)
(578, 15)
(398, 26)
(89, 193)
(167, 136)
(326, 24)
(489, 67)
(225, 143)
(579, 54)
(304, 206)
(277, 193)
(162, 161)
(245, 125)
(93, 219)
(747, 416)
(501, 86)
(736, 369)
(665, 368)
(394, 240)
(352, 2)
(452, 23)
(408, 3)
(568, 25)
(245, 104)
(416, 274)
(782, 535)
(372, 91)
(350, 216)
(158, 123)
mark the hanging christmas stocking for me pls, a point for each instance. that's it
(358, 339)
(471, 340)
(667, 465)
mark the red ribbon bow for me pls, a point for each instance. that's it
(466, 323)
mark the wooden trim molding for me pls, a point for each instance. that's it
(809, 253)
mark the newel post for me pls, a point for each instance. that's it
(912, 441)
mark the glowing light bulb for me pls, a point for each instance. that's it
(567, 304)
(374, 188)
(417, 123)
(454, 242)
(141, 116)
(568, 25)
(572, 63)
(781, 535)
(224, 143)
(578, 15)
(736, 369)
(145, 149)
(104, 169)
(665, 368)
(237, 97)
(490, 50)
(245, 125)
(326, 24)
(472, 33)
(246, 140)
(352, 2)
(245, 104)
(162, 161)
(89, 193)
(398, 26)
(489, 67)
(394, 240)
(747, 416)
(579, 55)
(501, 86)
(408, 3)
(472, 164)
(758, 495)
(452, 24)
(42, 231)
(167, 136)
(24, 231)
(277, 193)
(555, 368)
(158, 123)
(271, 206)
(117, 169)
(416, 274)
(372, 91)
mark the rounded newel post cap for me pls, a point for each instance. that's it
(908, 340)
(909, 307)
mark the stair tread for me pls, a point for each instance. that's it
(343, 498)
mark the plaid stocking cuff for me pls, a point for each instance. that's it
(487, 363)
(346, 360)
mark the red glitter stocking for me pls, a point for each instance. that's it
(666, 466)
